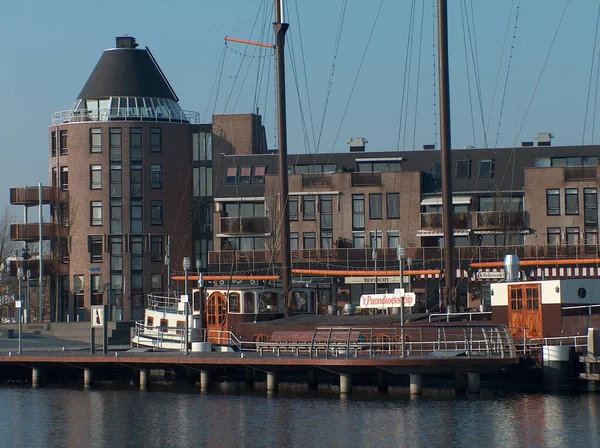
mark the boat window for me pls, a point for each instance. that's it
(150, 321)
(234, 302)
(180, 324)
(164, 324)
(300, 301)
(249, 302)
(267, 302)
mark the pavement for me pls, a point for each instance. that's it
(42, 343)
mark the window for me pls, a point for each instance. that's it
(553, 234)
(553, 202)
(137, 223)
(590, 206)
(95, 140)
(53, 144)
(571, 201)
(326, 240)
(64, 178)
(486, 168)
(293, 240)
(202, 146)
(155, 140)
(249, 306)
(202, 181)
(116, 254)
(463, 169)
(293, 205)
(136, 189)
(358, 211)
(116, 190)
(310, 240)
(156, 283)
(78, 290)
(156, 213)
(234, 302)
(393, 205)
(231, 175)
(376, 238)
(96, 298)
(375, 206)
(267, 302)
(116, 217)
(115, 144)
(64, 147)
(96, 177)
(326, 207)
(308, 208)
(393, 238)
(591, 236)
(135, 144)
(358, 240)
(155, 176)
(96, 213)
(572, 235)
(258, 174)
(156, 248)
(245, 174)
(95, 248)
(137, 253)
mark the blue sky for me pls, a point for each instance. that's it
(50, 48)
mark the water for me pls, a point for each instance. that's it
(115, 418)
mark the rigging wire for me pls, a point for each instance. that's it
(465, 24)
(417, 88)
(594, 61)
(434, 54)
(406, 78)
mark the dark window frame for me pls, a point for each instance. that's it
(392, 202)
(156, 176)
(155, 145)
(375, 206)
(156, 213)
(95, 147)
(572, 201)
(552, 195)
(486, 169)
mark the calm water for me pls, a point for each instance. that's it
(77, 418)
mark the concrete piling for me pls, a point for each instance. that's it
(345, 383)
(204, 380)
(474, 382)
(271, 382)
(144, 379)
(416, 384)
(88, 378)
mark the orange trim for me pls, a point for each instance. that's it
(500, 264)
(341, 273)
(181, 278)
(248, 42)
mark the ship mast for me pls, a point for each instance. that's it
(448, 293)
(280, 29)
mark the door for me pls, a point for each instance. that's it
(525, 310)
(216, 318)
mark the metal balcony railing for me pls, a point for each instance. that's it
(31, 195)
(501, 220)
(316, 180)
(366, 179)
(244, 225)
(581, 173)
(124, 114)
(31, 232)
(460, 220)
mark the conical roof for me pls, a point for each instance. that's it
(126, 71)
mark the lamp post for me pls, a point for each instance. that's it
(401, 255)
(20, 274)
(374, 257)
(186, 268)
(201, 297)
(27, 298)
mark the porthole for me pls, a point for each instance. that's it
(581, 292)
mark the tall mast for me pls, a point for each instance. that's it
(280, 29)
(448, 293)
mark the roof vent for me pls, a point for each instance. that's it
(544, 139)
(526, 144)
(357, 144)
(126, 42)
(428, 146)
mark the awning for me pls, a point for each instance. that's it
(456, 200)
(502, 232)
(457, 232)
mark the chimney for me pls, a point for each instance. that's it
(357, 144)
(543, 139)
(126, 42)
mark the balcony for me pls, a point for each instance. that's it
(31, 232)
(127, 114)
(366, 179)
(460, 220)
(316, 180)
(244, 225)
(581, 173)
(31, 195)
(501, 220)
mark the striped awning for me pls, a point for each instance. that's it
(456, 200)
(438, 232)
(460, 273)
(501, 232)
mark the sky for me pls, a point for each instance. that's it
(355, 68)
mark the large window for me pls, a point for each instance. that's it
(326, 240)
(553, 201)
(202, 181)
(376, 238)
(156, 176)
(64, 178)
(64, 146)
(96, 140)
(95, 248)
(96, 213)
(245, 174)
(116, 190)
(231, 175)
(116, 253)
(358, 240)
(202, 146)
(156, 248)
(375, 206)
(308, 208)
(326, 208)
(137, 253)
(156, 213)
(310, 241)
(393, 238)
(135, 144)
(293, 240)
(137, 222)
(572, 235)
(96, 297)
(358, 211)
(571, 201)
(590, 206)
(115, 144)
(116, 217)
(553, 234)
(486, 168)
(155, 140)
(393, 205)
(293, 205)
(136, 181)
(267, 302)
(258, 174)
(463, 169)
(96, 177)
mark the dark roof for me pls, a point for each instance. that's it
(127, 72)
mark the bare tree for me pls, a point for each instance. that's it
(8, 248)
(273, 218)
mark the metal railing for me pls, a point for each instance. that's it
(225, 337)
(583, 310)
(159, 337)
(578, 341)
(470, 315)
(162, 302)
(125, 114)
(447, 341)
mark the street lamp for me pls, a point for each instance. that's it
(401, 255)
(20, 275)
(200, 296)
(374, 257)
(186, 268)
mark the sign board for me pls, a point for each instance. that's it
(383, 279)
(485, 275)
(184, 298)
(98, 316)
(94, 269)
(17, 304)
(386, 300)
(399, 291)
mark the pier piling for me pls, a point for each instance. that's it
(36, 377)
(416, 384)
(474, 382)
(382, 382)
(345, 383)
(144, 378)
(249, 378)
(271, 382)
(313, 380)
(460, 382)
(204, 380)
(88, 378)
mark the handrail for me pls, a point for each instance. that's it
(227, 337)
(124, 114)
(159, 335)
(470, 314)
(545, 342)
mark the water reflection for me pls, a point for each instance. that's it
(73, 418)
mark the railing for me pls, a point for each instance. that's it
(447, 341)
(31, 195)
(31, 232)
(316, 180)
(588, 310)
(159, 336)
(581, 173)
(577, 341)
(124, 114)
(162, 302)
(244, 225)
(225, 337)
(433, 220)
(501, 220)
(366, 179)
(458, 316)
